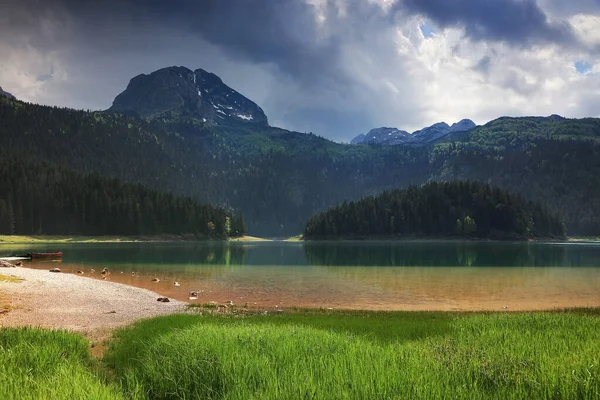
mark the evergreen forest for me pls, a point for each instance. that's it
(40, 198)
(448, 209)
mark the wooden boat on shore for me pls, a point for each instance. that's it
(46, 256)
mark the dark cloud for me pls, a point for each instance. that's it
(518, 22)
(333, 69)
(484, 64)
(281, 36)
(261, 31)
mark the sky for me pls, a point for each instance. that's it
(336, 68)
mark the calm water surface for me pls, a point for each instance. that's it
(367, 275)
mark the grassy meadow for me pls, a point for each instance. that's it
(318, 355)
(40, 364)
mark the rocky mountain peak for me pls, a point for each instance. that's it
(359, 139)
(462, 126)
(197, 94)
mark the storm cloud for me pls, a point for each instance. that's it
(333, 67)
(518, 22)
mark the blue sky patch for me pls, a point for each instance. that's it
(583, 66)
(427, 30)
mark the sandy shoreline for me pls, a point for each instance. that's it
(65, 301)
(72, 239)
(406, 289)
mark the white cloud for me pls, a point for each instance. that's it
(587, 28)
(21, 70)
(445, 84)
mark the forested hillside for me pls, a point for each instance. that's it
(562, 174)
(110, 144)
(278, 178)
(39, 198)
(512, 133)
(450, 209)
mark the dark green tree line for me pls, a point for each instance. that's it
(438, 209)
(39, 198)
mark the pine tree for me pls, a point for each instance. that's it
(459, 227)
(469, 225)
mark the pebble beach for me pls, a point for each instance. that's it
(94, 308)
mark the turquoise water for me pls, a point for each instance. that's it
(371, 275)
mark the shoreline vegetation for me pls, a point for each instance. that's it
(79, 239)
(57, 239)
(417, 238)
(50, 239)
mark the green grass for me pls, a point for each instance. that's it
(297, 238)
(39, 364)
(248, 239)
(584, 239)
(352, 355)
(315, 354)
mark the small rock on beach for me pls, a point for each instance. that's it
(6, 264)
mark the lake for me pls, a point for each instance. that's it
(377, 275)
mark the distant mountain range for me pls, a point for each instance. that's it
(195, 94)
(188, 133)
(203, 96)
(6, 94)
(428, 135)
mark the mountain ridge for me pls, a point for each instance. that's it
(6, 94)
(394, 136)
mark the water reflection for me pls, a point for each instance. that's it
(380, 254)
(446, 254)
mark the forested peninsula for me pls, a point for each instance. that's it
(461, 209)
(43, 199)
